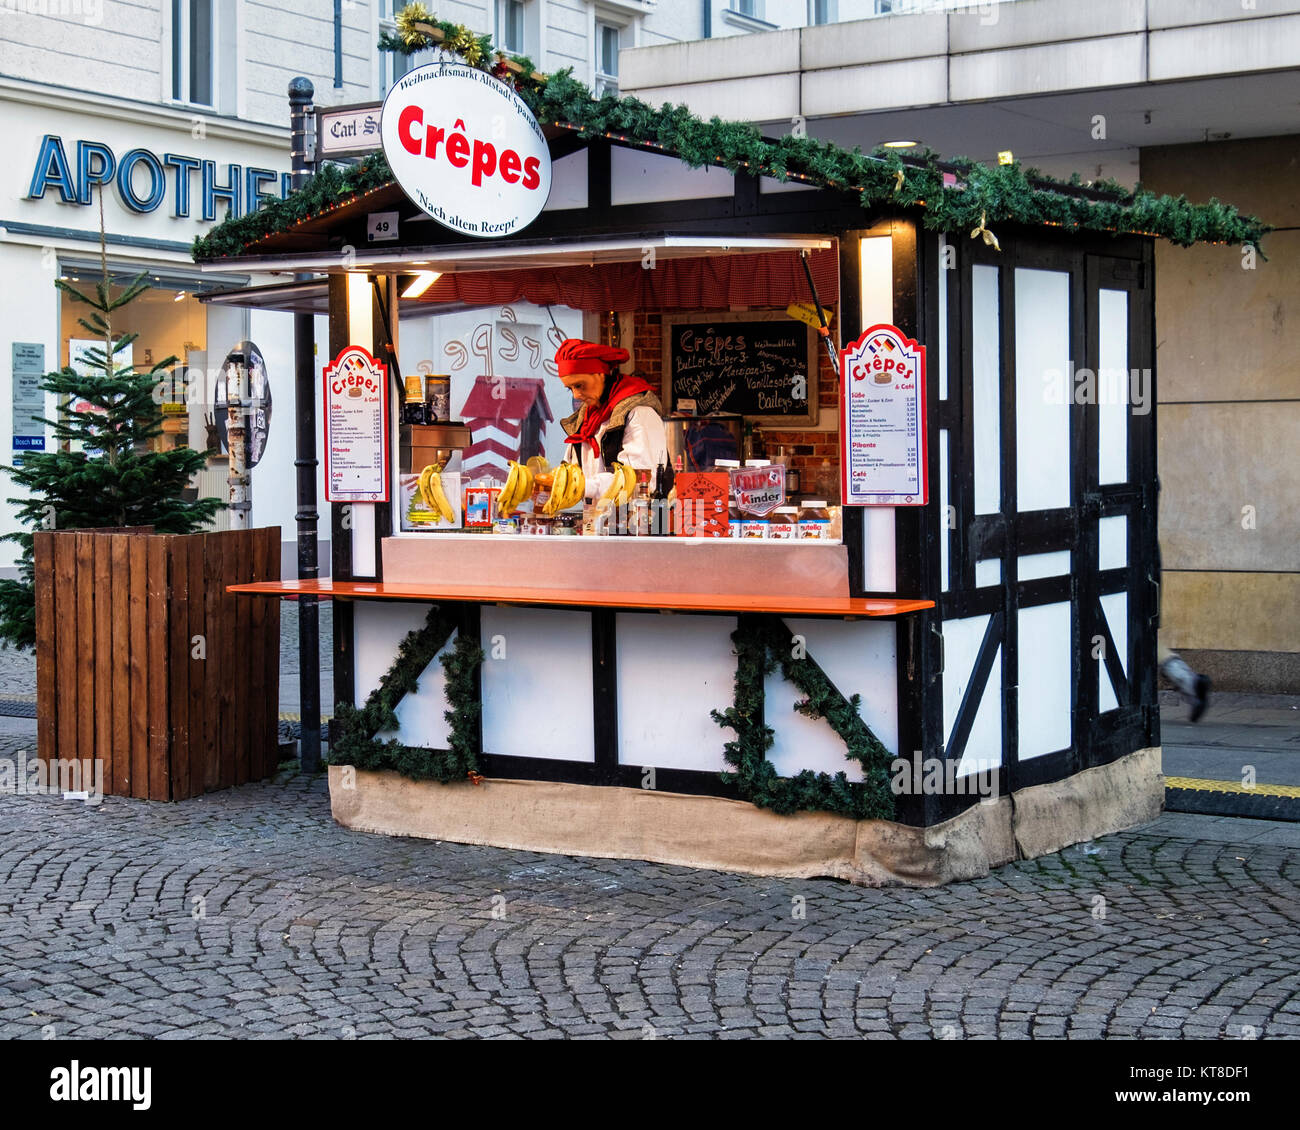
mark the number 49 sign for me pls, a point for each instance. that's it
(882, 420)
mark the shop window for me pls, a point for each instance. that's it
(193, 54)
(167, 321)
(607, 41)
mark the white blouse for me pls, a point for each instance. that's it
(645, 446)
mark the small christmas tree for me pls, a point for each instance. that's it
(107, 476)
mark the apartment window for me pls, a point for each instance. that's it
(512, 26)
(392, 65)
(884, 7)
(606, 58)
(752, 8)
(192, 52)
(825, 11)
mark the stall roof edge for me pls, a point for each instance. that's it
(464, 258)
(958, 195)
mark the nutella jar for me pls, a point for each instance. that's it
(752, 527)
(784, 524)
(734, 521)
(814, 521)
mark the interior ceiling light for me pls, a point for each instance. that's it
(179, 295)
(901, 144)
(422, 281)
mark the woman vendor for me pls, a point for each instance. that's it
(620, 419)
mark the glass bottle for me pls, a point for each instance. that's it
(659, 524)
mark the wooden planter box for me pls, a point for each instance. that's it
(144, 660)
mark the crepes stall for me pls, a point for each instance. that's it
(868, 593)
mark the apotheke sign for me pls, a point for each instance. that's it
(466, 149)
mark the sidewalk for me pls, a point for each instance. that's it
(1241, 759)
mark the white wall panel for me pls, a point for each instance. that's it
(672, 671)
(421, 715)
(1046, 679)
(1031, 566)
(878, 549)
(986, 372)
(1043, 389)
(1112, 542)
(1115, 608)
(378, 627)
(944, 524)
(640, 178)
(537, 697)
(961, 645)
(859, 658)
(876, 274)
(1113, 386)
(568, 183)
(984, 742)
(940, 362)
(988, 572)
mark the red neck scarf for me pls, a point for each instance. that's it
(594, 416)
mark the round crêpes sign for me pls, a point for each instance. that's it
(465, 148)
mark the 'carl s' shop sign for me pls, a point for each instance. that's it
(466, 149)
(882, 419)
(356, 427)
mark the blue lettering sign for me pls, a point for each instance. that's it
(157, 181)
(141, 179)
(88, 173)
(52, 169)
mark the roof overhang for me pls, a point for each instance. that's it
(466, 258)
(309, 296)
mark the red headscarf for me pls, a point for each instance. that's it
(577, 356)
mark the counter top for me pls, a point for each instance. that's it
(784, 605)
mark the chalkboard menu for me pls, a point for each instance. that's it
(761, 365)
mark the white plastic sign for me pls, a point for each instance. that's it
(465, 147)
(356, 427)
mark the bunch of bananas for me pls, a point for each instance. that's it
(567, 488)
(621, 487)
(430, 487)
(518, 489)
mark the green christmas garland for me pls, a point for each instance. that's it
(356, 744)
(762, 644)
(956, 196)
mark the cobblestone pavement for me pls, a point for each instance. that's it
(250, 913)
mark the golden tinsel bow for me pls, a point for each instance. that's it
(407, 18)
(898, 180)
(990, 240)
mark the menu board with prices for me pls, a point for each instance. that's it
(760, 365)
(882, 420)
(356, 427)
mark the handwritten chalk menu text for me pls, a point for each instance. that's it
(882, 420)
(356, 427)
(747, 364)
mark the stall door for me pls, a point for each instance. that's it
(1045, 465)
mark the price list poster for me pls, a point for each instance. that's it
(882, 420)
(356, 432)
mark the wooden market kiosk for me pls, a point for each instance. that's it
(1002, 634)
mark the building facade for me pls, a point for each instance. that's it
(1186, 97)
